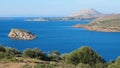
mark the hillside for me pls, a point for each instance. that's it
(108, 23)
(87, 14)
(36, 58)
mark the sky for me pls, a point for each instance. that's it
(54, 8)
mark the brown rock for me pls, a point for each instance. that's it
(21, 34)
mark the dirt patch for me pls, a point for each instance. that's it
(15, 65)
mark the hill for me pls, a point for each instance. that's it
(87, 14)
(108, 23)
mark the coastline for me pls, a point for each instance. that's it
(96, 28)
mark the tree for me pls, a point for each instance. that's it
(63, 56)
(39, 54)
(54, 55)
(34, 53)
(84, 55)
(72, 59)
(28, 53)
(11, 52)
(2, 52)
(2, 49)
(118, 62)
(2, 55)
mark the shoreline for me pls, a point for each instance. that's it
(96, 28)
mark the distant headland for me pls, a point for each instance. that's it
(106, 23)
(79, 15)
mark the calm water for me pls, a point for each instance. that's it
(58, 35)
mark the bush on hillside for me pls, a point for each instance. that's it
(84, 55)
(34, 53)
(81, 65)
(116, 64)
(54, 56)
(100, 65)
(2, 49)
(45, 66)
(11, 52)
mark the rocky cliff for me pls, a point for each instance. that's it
(21, 34)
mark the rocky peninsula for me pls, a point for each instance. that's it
(108, 23)
(21, 34)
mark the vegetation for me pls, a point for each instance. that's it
(26, 66)
(45, 66)
(81, 65)
(54, 56)
(8, 52)
(116, 64)
(84, 57)
(107, 23)
(34, 53)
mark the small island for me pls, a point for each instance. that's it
(21, 34)
(36, 19)
(107, 23)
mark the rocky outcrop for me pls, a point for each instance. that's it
(109, 23)
(21, 34)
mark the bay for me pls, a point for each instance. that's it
(59, 35)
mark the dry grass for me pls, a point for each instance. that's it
(15, 65)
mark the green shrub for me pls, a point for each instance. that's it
(34, 53)
(112, 66)
(26, 66)
(84, 55)
(28, 53)
(115, 65)
(63, 57)
(2, 55)
(81, 65)
(100, 65)
(11, 52)
(2, 52)
(2, 49)
(45, 66)
(54, 55)
(118, 62)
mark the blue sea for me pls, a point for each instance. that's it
(59, 35)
